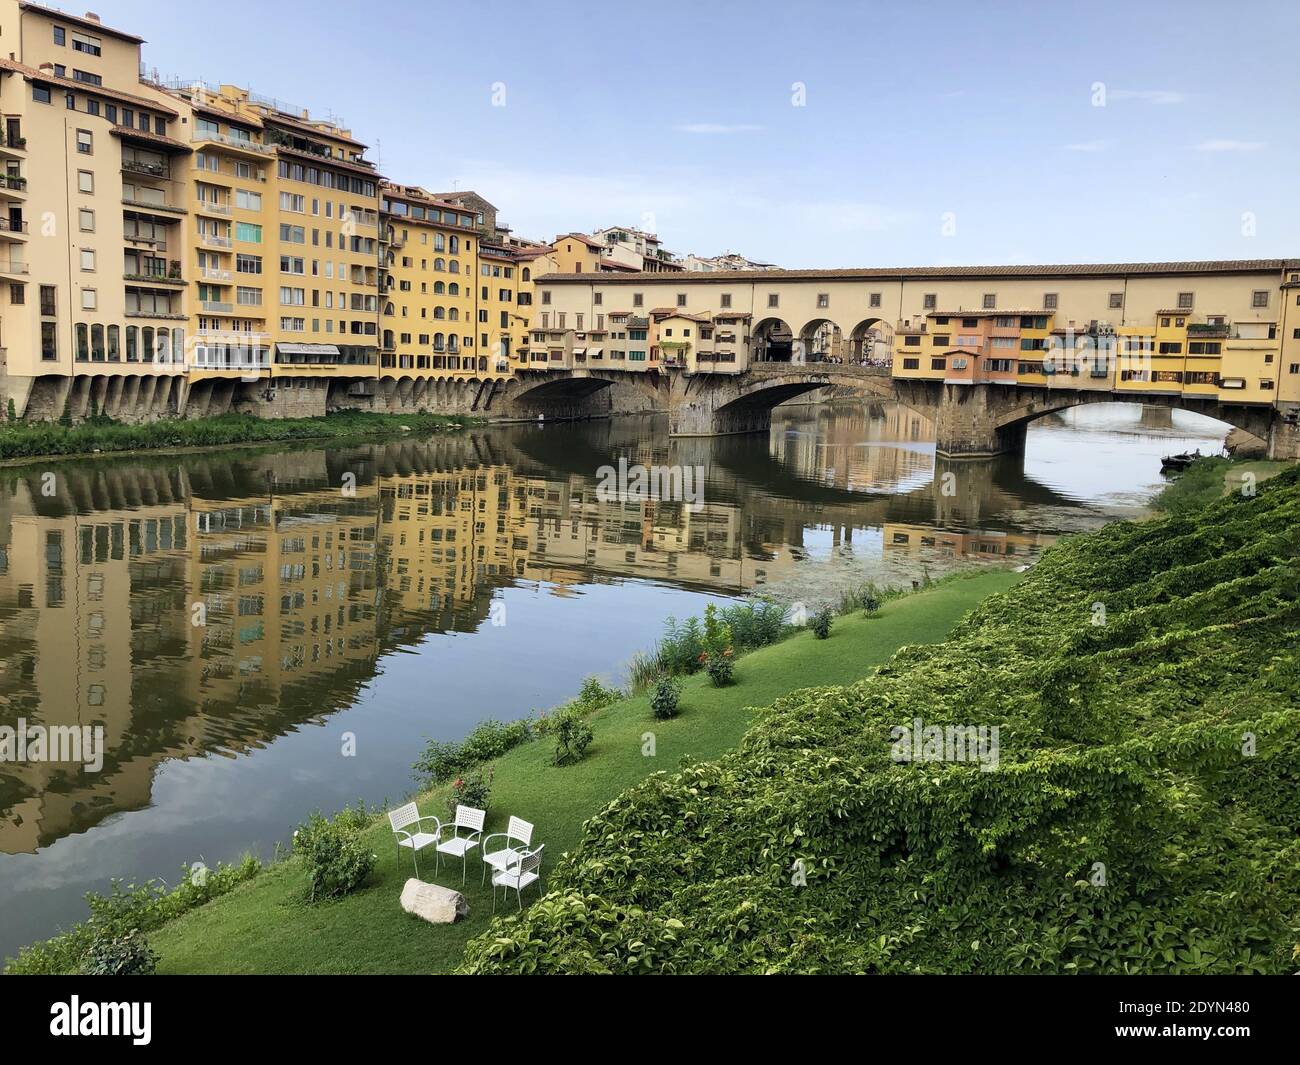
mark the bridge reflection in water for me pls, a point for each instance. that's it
(375, 605)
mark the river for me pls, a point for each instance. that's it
(262, 633)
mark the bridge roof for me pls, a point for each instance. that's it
(895, 273)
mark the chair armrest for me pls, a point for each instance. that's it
(430, 817)
(401, 832)
(498, 835)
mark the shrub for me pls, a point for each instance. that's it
(334, 852)
(679, 650)
(870, 605)
(471, 789)
(126, 909)
(595, 696)
(440, 761)
(721, 668)
(443, 761)
(820, 623)
(663, 703)
(717, 633)
(756, 623)
(127, 954)
(573, 736)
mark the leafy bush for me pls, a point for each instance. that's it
(127, 954)
(679, 650)
(471, 789)
(443, 761)
(820, 623)
(595, 696)
(663, 703)
(128, 908)
(1127, 826)
(335, 854)
(721, 668)
(717, 633)
(573, 736)
(756, 623)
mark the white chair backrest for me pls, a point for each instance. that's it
(520, 830)
(531, 861)
(468, 817)
(403, 816)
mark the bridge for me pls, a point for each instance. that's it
(970, 420)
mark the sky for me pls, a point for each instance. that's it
(805, 134)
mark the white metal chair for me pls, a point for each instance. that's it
(401, 820)
(525, 869)
(470, 821)
(516, 839)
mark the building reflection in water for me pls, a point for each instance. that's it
(207, 604)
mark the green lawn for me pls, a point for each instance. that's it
(265, 927)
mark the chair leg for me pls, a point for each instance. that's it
(416, 859)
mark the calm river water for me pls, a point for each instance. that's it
(463, 577)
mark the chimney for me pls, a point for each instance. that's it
(90, 16)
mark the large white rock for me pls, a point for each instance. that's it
(436, 904)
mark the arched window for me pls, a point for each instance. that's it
(440, 288)
(164, 341)
(132, 344)
(83, 343)
(440, 312)
(482, 362)
(146, 343)
(454, 266)
(528, 274)
(439, 342)
(439, 242)
(454, 314)
(114, 344)
(453, 289)
(178, 345)
(96, 343)
(440, 264)
(453, 245)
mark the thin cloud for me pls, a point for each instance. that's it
(1150, 96)
(1088, 146)
(717, 127)
(1229, 146)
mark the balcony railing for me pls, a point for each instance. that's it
(216, 307)
(213, 207)
(145, 205)
(215, 240)
(12, 181)
(17, 143)
(154, 279)
(209, 273)
(10, 225)
(13, 268)
(233, 142)
(140, 166)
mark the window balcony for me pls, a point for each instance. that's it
(12, 187)
(12, 229)
(212, 273)
(213, 207)
(146, 206)
(13, 269)
(214, 240)
(216, 307)
(148, 168)
(237, 143)
(154, 280)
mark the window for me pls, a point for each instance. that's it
(597, 298)
(1169, 347)
(47, 300)
(1116, 301)
(41, 94)
(726, 299)
(83, 42)
(49, 342)
(911, 364)
(1049, 301)
(940, 340)
(248, 201)
(88, 79)
(89, 299)
(823, 299)
(249, 232)
(874, 301)
(85, 142)
(990, 300)
(941, 363)
(930, 301)
(1259, 298)
(1185, 300)
(87, 259)
(86, 220)
(681, 299)
(85, 181)
(248, 264)
(637, 299)
(773, 300)
(60, 36)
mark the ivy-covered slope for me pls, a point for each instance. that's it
(1128, 826)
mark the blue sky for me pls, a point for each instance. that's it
(931, 133)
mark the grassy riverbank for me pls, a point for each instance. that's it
(22, 440)
(264, 926)
(1213, 477)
